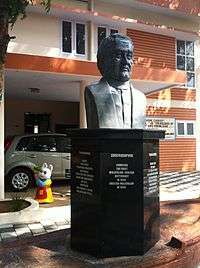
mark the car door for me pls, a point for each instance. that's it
(47, 146)
(64, 148)
(43, 149)
(31, 153)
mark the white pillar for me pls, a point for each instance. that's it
(1, 135)
(197, 63)
(91, 41)
(82, 112)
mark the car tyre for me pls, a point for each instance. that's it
(20, 179)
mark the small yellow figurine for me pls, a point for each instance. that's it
(43, 182)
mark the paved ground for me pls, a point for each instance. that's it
(173, 186)
(53, 249)
(60, 189)
(179, 185)
(13, 232)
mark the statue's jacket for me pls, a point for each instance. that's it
(101, 110)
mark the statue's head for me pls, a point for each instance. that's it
(115, 57)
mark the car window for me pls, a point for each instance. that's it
(22, 144)
(63, 144)
(42, 144)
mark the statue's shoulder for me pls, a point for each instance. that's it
(95, 86)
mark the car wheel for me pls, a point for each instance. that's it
(20, 179)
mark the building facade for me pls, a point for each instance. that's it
(53, 58)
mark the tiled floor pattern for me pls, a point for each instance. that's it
(177, 182)
(11, 232)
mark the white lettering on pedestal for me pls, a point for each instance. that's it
(84, 176)
(152, 175)
(121, 176)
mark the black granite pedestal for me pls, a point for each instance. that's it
(114, 191)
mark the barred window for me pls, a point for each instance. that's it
(73, 38)
(185, 60)
(104, 31)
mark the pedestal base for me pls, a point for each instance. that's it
(115, 191)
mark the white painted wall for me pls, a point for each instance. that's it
(37, 35)
(40, 34)
(62, 113)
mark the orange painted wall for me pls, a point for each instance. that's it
(178, 113)
(158, 51)
(175, 94)
(78, 67)
(153, 50)
(180, 154)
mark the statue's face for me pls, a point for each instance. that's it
(119, 61)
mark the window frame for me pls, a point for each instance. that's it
(61, 38)
(73, 38)
(185, 56)
(86, 38)
(108, 29)
(37, 139)
(17, 149)
(58, 144)
(185, 135)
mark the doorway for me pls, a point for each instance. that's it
(37, 123)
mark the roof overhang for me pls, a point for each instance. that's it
(82, 13)
(26, 71)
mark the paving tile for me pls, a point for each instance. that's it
(47, 222)
(39, 231)
(7, 236)
(6, 229)
(50, 228)
(20, 225)
(36, 228)
(20, 231)
(63, 222)
(65, 226)
(6, 226)
(24, 235)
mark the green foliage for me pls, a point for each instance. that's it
(17, 8)
(37, 169)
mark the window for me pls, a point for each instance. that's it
(41, 144)
(46, 144)
(22, 144)
(36, 123)
(63, 144)
(185, 60)
(67, 36)
(73, 38)
(102, 32)
(185, 128)
(80, 38)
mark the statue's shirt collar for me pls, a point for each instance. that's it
(120, 86)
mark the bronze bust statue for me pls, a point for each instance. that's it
(113, 102)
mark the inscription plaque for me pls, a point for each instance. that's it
(84, 174)
(118, 170)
